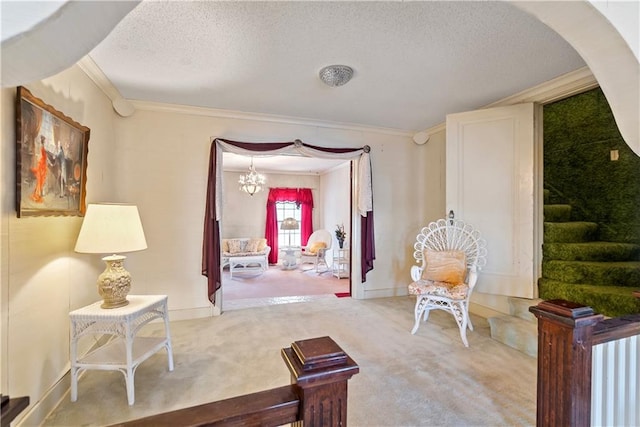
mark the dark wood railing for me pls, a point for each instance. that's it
(316, 397)
(567, 333)
(11, 408)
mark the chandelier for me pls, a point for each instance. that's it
(336, 75)
(251, 182)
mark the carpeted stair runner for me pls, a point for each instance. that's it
(591, 251)
(519, 329)
(577, 267)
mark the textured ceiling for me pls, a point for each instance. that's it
(279, 164)
(414, 62)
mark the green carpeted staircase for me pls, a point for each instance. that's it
(577, 267)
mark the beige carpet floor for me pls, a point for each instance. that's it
(278, 286)
(427, 379)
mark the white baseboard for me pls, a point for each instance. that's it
(483, 311)
(38, 411)
(194, 313)
(385, 293)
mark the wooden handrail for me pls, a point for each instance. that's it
(616, 328)
(11, 408)
(273, 407)
(317, 396)
(567, 333)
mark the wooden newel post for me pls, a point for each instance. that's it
(320, 369)
(564, 363)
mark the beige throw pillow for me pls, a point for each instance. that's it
(235, 246)
(316, 246)
(445, 266)
(252, 245)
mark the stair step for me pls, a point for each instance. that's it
(519, 307)
(557, 213)
(601, 273)
(546, 195)
(612, 301)
(591, 251)
(516, 333)
(570, 232)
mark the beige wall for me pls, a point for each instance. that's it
(42, 278)
(335, 197)
(244, 215)
(335, 204)
(162, 167)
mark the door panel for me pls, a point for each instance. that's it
(490, 184)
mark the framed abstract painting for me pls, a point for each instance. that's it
(51, 160)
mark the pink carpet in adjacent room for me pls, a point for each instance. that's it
(276, 282)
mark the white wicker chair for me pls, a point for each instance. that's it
(447, 235)
(316, 258)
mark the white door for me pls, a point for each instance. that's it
(491, 184)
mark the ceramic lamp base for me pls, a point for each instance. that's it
(114, 283)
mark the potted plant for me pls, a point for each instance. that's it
(340, 235)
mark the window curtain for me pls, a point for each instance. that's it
(305, 198)
(301, 196)
(211, 237)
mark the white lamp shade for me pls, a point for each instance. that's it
(111, 228)
(289, 224)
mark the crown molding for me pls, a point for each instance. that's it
(240, 115)
(566, 85)
(94, 72)
(569, 84)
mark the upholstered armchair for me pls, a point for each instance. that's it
(315, 251)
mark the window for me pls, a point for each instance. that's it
(288, 210)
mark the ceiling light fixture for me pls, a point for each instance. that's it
(251, 182)
(336, 75)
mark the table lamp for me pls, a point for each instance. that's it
(289, 224)
(110, 228)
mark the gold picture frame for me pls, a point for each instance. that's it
(51, 160)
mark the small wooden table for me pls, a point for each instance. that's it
(119, 354)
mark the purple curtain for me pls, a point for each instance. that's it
(211, 237)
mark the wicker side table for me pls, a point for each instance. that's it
(120, 353)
